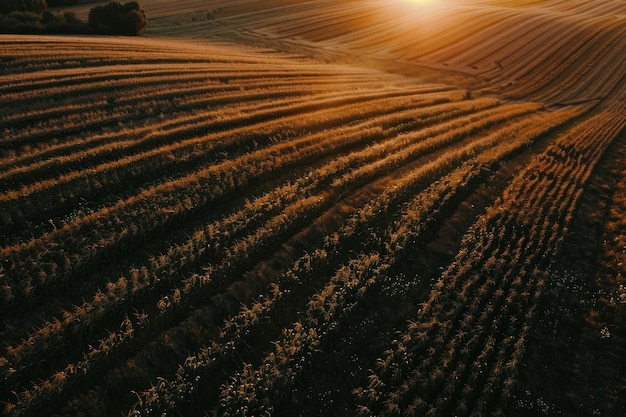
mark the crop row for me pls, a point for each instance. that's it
(328, 171)
(245, 249)
(169, 102)
(270, 237)
(40, 59)
(46, 151)
(177, 258)
(462, 352)
(552, 54)
(57, 82)
(257, 113)
(404, 233)
(103, 180)
(236, 107)
(133, 217)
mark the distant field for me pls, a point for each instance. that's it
(317, 208)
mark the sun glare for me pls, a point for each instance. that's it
(423, 4)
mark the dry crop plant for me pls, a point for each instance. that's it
(230, 230)
(163, 396)
(501, 269)
(555, 52)
(69, 241)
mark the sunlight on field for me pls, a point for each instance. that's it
(422, 2)
(423, 5)
(428, 15)
(295, 207)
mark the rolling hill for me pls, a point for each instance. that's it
(329, 208)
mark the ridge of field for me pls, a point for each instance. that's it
(291, 219)
(550, 51)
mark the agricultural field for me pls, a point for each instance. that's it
(317, 208)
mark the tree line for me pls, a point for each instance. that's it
(33, 16)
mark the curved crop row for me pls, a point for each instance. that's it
(253, 236)
(476, 321)
(336, 176)
(540, 52)
(402, 235)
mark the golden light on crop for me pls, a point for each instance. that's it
(423, 3)
(421, 6)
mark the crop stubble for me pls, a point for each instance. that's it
(230, 225)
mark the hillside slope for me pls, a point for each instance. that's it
(317, 208)
(552, 51)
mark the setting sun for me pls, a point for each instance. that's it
(422, 4)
